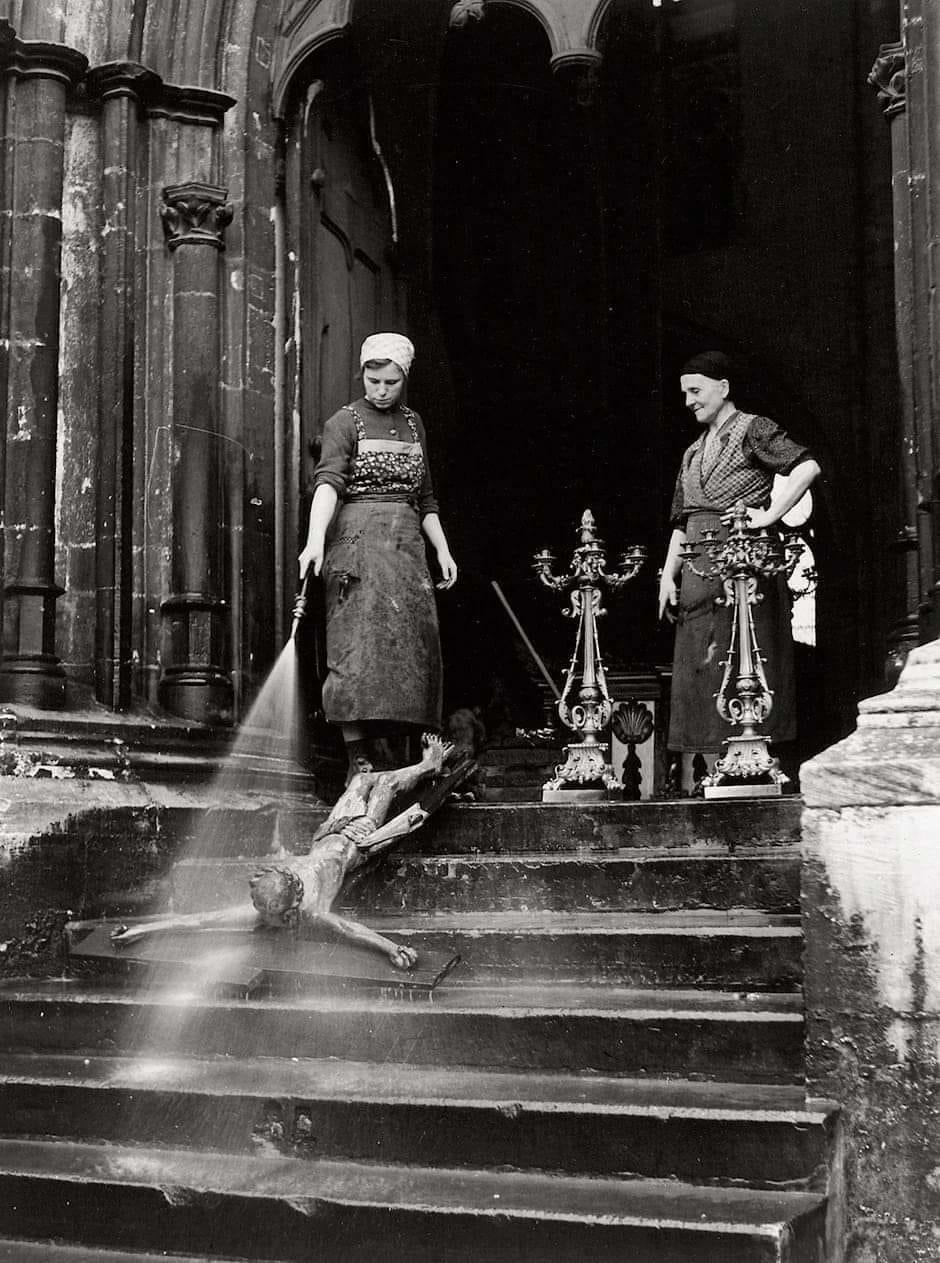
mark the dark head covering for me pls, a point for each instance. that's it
(714, 364)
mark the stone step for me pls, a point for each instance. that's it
(654, 880)
(734, 950)
(39, 1251)
(511, 793)
(764, 1135)
(694, 823)
(511, 827)
(288, 1209)
(737, 950)
(604, 1029)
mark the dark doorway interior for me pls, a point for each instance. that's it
(556, 399)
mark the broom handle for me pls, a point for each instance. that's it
(525, 640)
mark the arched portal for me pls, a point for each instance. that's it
(573, 200)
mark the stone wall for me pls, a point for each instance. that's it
(871, 875)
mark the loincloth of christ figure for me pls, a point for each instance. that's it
(299, 894)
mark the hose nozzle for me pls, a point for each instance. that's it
(300, 607)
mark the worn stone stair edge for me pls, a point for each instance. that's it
(32, 1250)
(414, 855)
(607, 924)
(699, 923)
(495, 1090)
(504, 1002)
(437, 1190)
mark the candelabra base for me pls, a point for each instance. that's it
(585, 775)
(746, 770)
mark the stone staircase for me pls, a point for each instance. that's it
(614, 1071)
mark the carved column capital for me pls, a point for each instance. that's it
(195, 214)
(889, 77)
(35, 59)
(123, 78)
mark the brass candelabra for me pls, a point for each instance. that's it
(586, 773)
(744, 699)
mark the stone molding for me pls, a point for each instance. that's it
(893, 757)
(577, 59)
(195, 214)
(203, 106)
(916, 694)
(889, 77)
(36, 59)
(30, 59)
(123, 78)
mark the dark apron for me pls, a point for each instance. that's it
(383, 649)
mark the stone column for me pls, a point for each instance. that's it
(927, 70)
(7, 42)
(916, 14)
(888, 75)
(121, 87)
(39, 77)
(196, 682)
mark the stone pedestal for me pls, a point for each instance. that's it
(871, 875)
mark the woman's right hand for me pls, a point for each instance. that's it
(312, 556)
(668, 598)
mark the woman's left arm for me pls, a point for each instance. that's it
(796, 483)
(431, 525)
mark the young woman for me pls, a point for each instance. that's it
(372, 500)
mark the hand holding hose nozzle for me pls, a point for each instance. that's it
(300, 605)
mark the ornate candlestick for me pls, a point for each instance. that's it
(746, 769)
(586, 773)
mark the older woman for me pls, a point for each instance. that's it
(382, 645)
(736, 457)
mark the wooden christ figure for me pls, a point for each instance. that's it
(299, 892)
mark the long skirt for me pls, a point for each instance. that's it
(383, 649)
(703, 637)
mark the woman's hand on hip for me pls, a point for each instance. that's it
(311, 557)
(448, 570)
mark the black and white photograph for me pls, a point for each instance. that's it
(470, 631)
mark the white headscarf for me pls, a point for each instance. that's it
(388, 346)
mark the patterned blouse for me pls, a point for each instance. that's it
(369, 451)
(739, 464)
